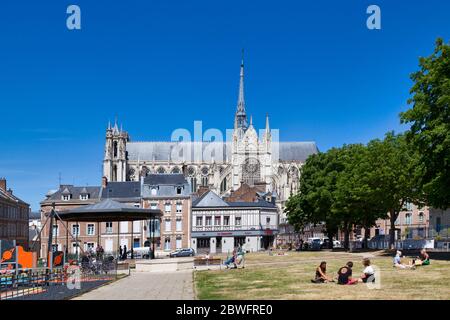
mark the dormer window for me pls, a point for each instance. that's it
(178, 190)
(84, 196)
(65, 197)
(154, 191)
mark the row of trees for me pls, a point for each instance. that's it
(357, 184)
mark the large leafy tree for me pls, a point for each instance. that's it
(356, 198)
(314, 201)
(393, 176)
(430, 123)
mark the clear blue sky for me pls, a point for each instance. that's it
(160, 65)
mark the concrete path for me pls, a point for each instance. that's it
(172, 285)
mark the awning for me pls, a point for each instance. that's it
(108, 210)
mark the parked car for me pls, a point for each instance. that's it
(188, 252)
(337, 244)
(315, 244)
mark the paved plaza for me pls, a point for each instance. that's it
(172, 285)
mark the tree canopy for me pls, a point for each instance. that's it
(430, 123)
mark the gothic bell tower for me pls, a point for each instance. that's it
(115, 159)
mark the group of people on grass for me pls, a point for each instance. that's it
(422, 260)
(344, 275)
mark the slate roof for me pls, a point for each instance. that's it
(296, 151)
(212, 200)
(116, 190)
(11, 197)
(209, 199)
(165, 151)
(165, 179)
(34, 215)
(108, 210)
(94, 192)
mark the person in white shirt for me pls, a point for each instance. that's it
(368, 272)
(398, 262)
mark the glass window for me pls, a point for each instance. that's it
(421, 217)
(208, 221)
(76, 229)
(167, 244)
(179, 225)
(84, 197)
(217, 221)
(109, 227)
(168, 226)
(408, 218)
(226, 220)
(199, 221)
(168, 207)
(238, 221)
(154, 206)
(90, 229)
(179, 244)
(179, 207)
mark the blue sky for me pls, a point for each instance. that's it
(159, 65)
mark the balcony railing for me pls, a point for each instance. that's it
(227, 228)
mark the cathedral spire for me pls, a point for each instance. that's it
(241, 116)
(115, 129)
(267, 123)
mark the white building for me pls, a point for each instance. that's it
(219, 226)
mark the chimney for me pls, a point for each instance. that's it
(3, 184)
(104, 182)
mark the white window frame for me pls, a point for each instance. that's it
(87, 229)
(77, 233)
(84, 197)
(109, 229)
(167, 225)
(179, 225)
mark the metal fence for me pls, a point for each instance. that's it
(57, 283)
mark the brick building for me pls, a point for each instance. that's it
(13, 216)
(171, 194)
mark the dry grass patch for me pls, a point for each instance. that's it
(288, 277)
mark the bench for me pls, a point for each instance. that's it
(198, 262)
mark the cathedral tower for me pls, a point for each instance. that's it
(115, 159)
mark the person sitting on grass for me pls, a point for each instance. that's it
(368, 274)
(424, 259)
(321, 274)
(345, 273)
(398, 262)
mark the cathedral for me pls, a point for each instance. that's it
(221, 166)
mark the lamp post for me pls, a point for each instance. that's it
(153, 238)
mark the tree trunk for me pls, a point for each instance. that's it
(366, 237)
(330, 237)
(392, 218)
(346, 236)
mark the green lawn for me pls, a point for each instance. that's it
(288, 277)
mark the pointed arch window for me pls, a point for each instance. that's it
(115, 149)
